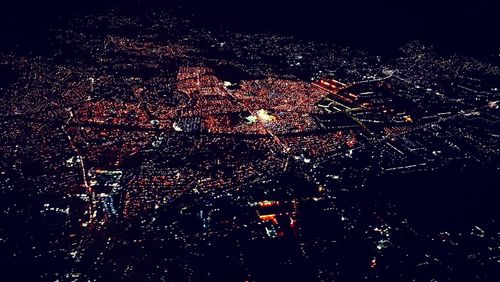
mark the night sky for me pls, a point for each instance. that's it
(382, 26)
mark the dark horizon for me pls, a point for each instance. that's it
(467, 27)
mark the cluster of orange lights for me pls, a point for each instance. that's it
(331, 83)
(266, 203)
(269, 217)
(327, 83)
(351, 141)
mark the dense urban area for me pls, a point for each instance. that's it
(152, 149)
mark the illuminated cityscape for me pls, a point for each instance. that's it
(149, 147)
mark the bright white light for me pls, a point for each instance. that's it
(264, 116)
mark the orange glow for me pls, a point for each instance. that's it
(269, 217)
(267, 203)
(353, 95)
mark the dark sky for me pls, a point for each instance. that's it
(463, 26)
